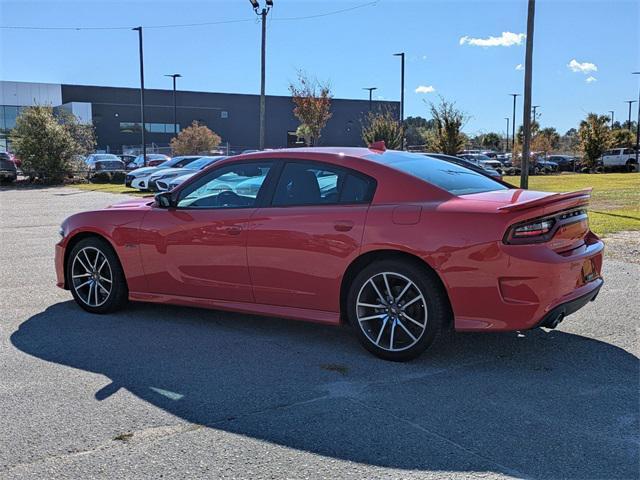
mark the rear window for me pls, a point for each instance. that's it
(453, 178)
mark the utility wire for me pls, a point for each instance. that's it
(187, 25)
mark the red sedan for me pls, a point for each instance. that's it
(401, 246)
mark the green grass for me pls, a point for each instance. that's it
(615, 201)
(110, 188)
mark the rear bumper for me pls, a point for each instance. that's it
(524, 286)
(555, 316)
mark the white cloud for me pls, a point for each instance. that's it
(424, 57)
(591, 79)
(519, 67)
(507, 39)
(425, 89)
(584, 67)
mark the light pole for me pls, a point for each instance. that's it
(142, 129)
(401, 55)
(371, 89)
(263, 16)
(611, 112)
(637, 126)
(507, 147)
(175, 106)
(513, 122)
(535, 107)
(630, 102)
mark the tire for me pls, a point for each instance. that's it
(416, 324)
(95, 277)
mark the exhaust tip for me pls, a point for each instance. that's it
(556, 321)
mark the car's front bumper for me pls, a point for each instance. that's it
(59, 263)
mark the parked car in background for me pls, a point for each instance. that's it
(139, 178)
(542, 165)
(153, 160)
(402, 248)
(483, 161)
(94, 157)
(8, 170)
(619, 159)
(126, 158)
(463, 162)
(108, 167)
(161, 180)
(566, 163)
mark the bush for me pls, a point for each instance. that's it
(382, 126)
(194, 140)
(47, 142)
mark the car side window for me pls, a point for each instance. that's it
(309, 183)
(231, 186)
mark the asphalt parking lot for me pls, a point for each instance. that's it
(160, 391)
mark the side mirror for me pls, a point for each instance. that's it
(165, 200)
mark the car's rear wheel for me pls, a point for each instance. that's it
(397, 308)
(95, 276)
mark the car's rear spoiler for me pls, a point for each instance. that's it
(556, 197)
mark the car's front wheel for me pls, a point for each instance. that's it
(95, 276)
(398, 309)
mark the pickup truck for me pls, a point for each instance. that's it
(619, 158)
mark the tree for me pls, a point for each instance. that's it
(194, 140)
(415, 130)
(312, 101)
(546, 140)
(446, 136)
(47, 141)
(491, 140)
(382, 126)
(569, 141)
(622, 138)
(594, 137)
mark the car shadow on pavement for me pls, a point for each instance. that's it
(545, 404)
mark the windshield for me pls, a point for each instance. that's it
(453, 178)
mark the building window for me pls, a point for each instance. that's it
(224, 114)
(134, 127)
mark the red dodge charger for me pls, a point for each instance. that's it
(401, 246)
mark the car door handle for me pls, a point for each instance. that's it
(343, 225)
(234, 229)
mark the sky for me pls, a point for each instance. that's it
(470, 52)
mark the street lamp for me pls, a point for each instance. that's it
(535, 107)
(513, 121)
(630, 102)
(144, 144)
(611, 112)
(637, 125)
(371, 89)
(175, 107)
(507, 147)
(401, 55)
(263, 16)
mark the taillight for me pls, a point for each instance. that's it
(533, 229)
(539, 230)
